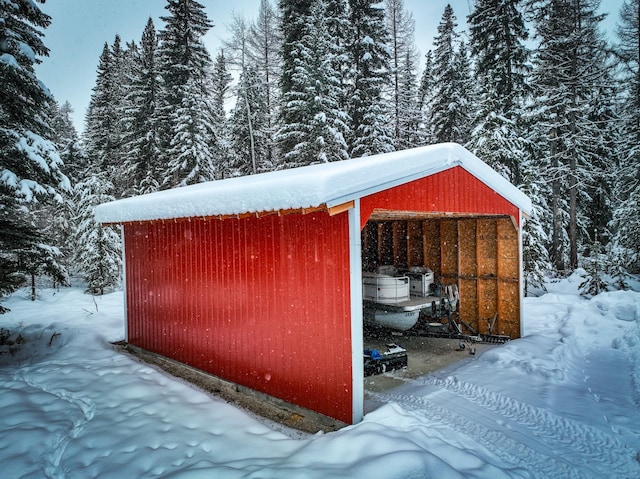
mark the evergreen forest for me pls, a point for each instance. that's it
(535, 88)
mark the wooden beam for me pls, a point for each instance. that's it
(380, 214)
(342, 207)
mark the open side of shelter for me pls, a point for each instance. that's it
(270, 297)
(466, 233)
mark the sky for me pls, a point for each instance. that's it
(80, 28)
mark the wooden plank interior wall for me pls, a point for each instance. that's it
(448, 251)
(400, 244)
(508, 276)
(468, 265)
(415, 251)
(385, 242)
(487, 272)
(479, 254)
(431, 241)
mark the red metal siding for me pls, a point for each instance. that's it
(451, 191)
(263, 302)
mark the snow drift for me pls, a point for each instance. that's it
(561, 402)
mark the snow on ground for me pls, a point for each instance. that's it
(562, 402)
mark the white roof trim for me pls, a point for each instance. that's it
(307, 187)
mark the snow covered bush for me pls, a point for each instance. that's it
(97, 248)
(593, 274)
(618, 261)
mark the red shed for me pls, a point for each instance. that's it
(258, 280)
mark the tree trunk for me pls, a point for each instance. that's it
(557, 253)
(573, 214)
(573, 161)
(557, 256)
(251, 139)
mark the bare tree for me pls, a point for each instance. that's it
(404, 57)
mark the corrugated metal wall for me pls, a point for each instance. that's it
(263, 302)
(451, 191)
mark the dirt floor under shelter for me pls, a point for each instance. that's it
(424, 355)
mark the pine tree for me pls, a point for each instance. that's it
(603, 157)
(498, 36)
(67, 139)
(410, 117)
(96, 251)
(249, 122)
(466, 92)
(43, 260)
(189, 145)
(293, 15)
(16, 234)
(220, 84)
(545, 132)
(594, 283)
(449, 108)
(54, 219)
(32, 169)
(103, 134)
(190, 152)
(401, 28)
(535, 258)
(570, 66)
(264, 43)
(97, 248)
(220, 91)
(38, 256)
(340, 31)
(99, 119)
(425, 98)
(313, 100)
(142, 147)
(626, 220)
(249, 126)
(618, 261)
(370, 60)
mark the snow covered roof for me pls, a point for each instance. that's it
(328, 184)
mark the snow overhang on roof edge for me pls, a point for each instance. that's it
(493, 179)
(309, 187)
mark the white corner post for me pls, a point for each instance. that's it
(357, 342)
(521, 271)
(124, 284)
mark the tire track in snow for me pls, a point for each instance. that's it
(53, 458)
(507, 449)
(610, 455)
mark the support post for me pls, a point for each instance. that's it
(357, 341)
(124, 284)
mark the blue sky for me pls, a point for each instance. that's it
(80, 28)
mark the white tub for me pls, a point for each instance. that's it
(385, 289)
